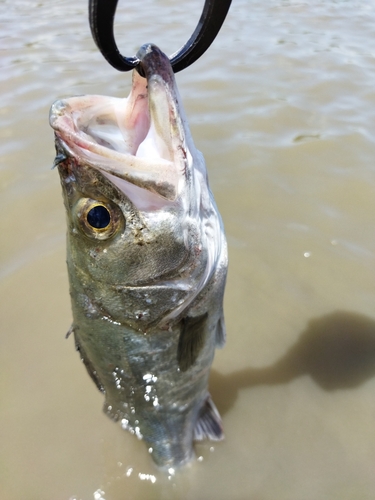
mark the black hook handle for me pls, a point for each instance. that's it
(101, 17)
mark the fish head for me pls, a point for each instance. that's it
(135, 187)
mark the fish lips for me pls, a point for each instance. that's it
(139, 143)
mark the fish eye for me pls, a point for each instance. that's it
(97, 219)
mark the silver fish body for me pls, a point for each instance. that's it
(147, 259)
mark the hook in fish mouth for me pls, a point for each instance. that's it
(139, 142)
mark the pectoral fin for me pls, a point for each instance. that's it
(209, 425)
(191, 340)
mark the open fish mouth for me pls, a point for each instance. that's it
(140, 143)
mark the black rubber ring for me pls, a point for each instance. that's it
(102, 15)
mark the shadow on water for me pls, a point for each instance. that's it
(336, 350)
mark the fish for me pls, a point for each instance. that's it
(146, 257)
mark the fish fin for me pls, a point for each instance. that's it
(69, 332)
(220, 333)
(89, 366)
(191, 340)
(209, 424)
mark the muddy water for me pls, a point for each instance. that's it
(283, 107)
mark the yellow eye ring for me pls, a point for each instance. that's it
(97, 219)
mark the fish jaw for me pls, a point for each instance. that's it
(141, 142)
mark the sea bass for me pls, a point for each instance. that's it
(147, 258)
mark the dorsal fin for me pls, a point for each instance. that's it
(191, 340)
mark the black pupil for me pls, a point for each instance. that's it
(99, 217)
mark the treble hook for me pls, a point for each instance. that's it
(102, 15)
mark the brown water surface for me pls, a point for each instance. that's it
(283, 108)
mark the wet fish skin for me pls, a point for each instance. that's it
(146, 290)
